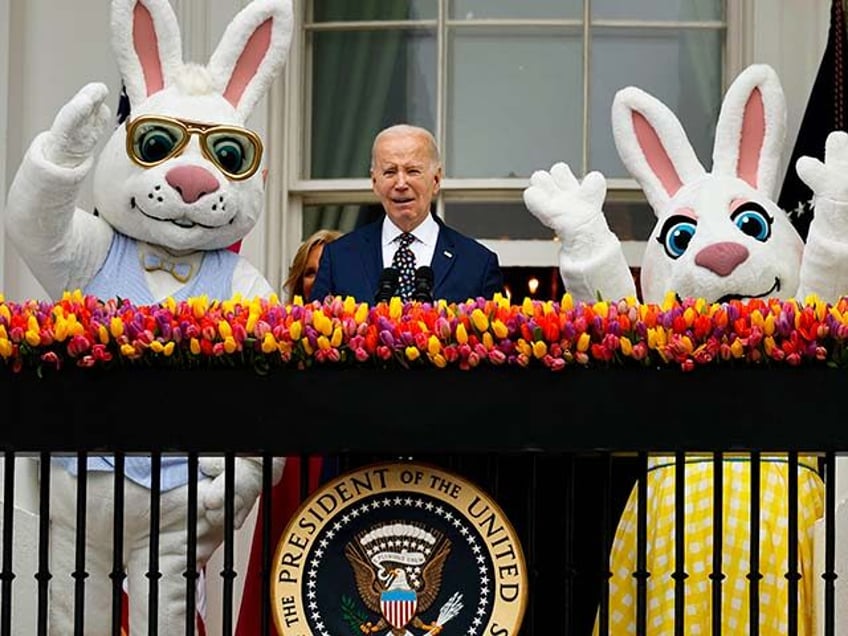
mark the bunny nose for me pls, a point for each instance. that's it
(722, 258)
(192, 182)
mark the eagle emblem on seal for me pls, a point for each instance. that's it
(398, 569)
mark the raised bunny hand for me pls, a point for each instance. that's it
(248, 485)
(828, 180)
(591, 261)
(78, 127)
(564, 204)
(824, 271)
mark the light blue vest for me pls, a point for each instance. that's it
(122, 275)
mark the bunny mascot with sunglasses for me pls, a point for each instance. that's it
(176, 184)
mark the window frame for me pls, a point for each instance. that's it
(289, 110)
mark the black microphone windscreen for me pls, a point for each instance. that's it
(425, 272)
(423, 284)
(387, 285)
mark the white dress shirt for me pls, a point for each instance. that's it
(423, 247)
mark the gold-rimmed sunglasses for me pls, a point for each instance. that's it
(152, 139)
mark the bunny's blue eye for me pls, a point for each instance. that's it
(753, 220)
(676, 234)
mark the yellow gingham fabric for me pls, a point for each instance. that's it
(773, 586)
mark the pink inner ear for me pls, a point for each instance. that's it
(248, 63)
(656, 155)
(753, 136)
(147, 48)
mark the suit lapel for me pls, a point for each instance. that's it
(444, 257)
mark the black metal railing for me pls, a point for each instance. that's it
(559, 452)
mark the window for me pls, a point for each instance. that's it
(507, 88)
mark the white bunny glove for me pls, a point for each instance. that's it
(824, 270)
(570, 208)
(591, 260)
(78, 127)
(248, 485)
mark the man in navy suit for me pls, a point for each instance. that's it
(406, 173)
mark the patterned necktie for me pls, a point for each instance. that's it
(404, 262)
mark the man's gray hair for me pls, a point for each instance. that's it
(404, 130)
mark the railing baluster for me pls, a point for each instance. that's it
(118, 573)
(829, 575)
(679, 575)
(79, 565)
(267, 517)
(43, 575)
(191, 574)
(717, 575)
(569, 570)
(606, 535)
(8, 574)
(153, 573)
(531, 552)
(792, 573)
(754, 575)
(641, 574)
(228, 573)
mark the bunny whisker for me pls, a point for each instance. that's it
(181, 221)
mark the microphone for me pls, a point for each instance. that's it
(387, 285)
(423, 284)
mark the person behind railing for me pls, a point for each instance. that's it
(400, 254)
(285, 495)
(719, 238)
(304, 265)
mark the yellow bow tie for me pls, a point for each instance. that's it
(180, 270)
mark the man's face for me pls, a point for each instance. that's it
(405, 178)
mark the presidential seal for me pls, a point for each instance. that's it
(399, 549)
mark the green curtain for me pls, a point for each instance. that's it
(357, 89)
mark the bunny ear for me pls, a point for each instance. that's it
(751, 128)
(146, 41)
(252, 50)
(652, 145)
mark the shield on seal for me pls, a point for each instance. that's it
(398, 606)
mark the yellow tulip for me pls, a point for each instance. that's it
(349, 305)
(194, 346)
(461, 334)
(337, 337)
(395, 308)
(169, 349)
(412, 353)
(6, 347)
(127, 350)
(488, 340)
(626, 345)
(295, 330)
(268, 343)
(479, 320)
(230, 344)
(438, 360)
(539, 349)
(116, 327)
(323, 342)
(361, 313)
(433, 345)
(500, 329)
(225, 329)
(583, 342)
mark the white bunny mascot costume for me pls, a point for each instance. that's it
(175, 185)
(719, 236)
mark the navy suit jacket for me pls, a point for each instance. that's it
(462, 268)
